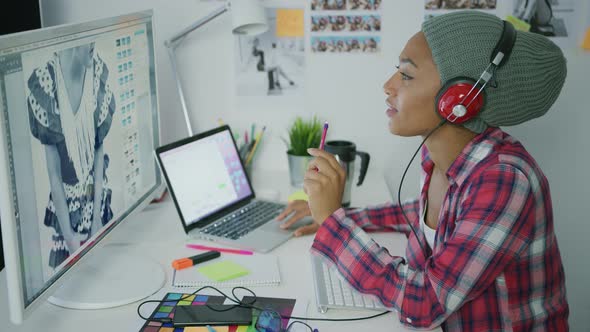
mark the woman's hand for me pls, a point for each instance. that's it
(324, 184)
(300, 209)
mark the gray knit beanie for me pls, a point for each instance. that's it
(527, 84)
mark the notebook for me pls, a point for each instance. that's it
(263, 270)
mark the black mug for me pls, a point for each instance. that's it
(346, 152)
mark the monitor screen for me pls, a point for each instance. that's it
(79, 123)
(205, 175)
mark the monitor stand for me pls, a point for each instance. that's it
(112, 276)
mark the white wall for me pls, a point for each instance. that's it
(347, 90)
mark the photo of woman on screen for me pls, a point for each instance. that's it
(70, 108)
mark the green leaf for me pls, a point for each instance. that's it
(304, 134)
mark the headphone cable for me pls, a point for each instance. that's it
(399, 190)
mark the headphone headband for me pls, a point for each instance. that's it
(504, 45)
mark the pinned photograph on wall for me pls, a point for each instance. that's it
(459, 4)
(346, 23)
(438, 7)
(346, 44)
(364, 4)
(328, 4)
(273, 63)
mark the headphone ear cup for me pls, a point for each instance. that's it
(448, 100)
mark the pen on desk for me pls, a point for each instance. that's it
(224, 250)
(210, 329)
(324, 132)
(183, 263)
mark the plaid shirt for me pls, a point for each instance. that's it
(495, 264)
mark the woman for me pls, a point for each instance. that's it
(483, 255)
(70, 112)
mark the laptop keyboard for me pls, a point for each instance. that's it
(243, 221)
(333, 292)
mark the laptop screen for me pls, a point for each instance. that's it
(205, 175)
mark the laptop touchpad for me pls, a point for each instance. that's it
(275, 226)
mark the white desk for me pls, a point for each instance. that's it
(143, 234)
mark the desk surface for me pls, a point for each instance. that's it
(142, 234)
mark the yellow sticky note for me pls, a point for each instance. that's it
(299, 194)
(518, 23)
(586, 42)
(222, 271)
(242, 328)
(290, 23)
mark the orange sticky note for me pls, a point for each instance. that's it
(290, 23)
(586, 42)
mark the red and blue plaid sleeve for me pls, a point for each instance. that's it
(492, 228)
(384, 217)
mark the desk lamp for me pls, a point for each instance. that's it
(248, 18)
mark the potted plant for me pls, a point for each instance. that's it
(303, 134)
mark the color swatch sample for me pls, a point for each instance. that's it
(166, 310)
(224, 270)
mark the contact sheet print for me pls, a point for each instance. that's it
(345, 26)
(434, 8)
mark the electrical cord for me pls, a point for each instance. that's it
(399, 190)
(240, 303)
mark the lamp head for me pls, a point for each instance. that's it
(248, 17)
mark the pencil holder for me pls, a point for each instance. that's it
(248, 169)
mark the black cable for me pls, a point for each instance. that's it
(240, 303)
(300, 322)
(399, 190)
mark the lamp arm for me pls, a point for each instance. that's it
(217, 12)
(180, 90)
(171, 46)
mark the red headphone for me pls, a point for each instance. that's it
(462, 98)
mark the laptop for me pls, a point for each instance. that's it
(213, 195)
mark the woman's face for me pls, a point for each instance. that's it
(412, 90)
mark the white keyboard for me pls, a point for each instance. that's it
(333, 292)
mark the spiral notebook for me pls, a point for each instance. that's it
(263, 270)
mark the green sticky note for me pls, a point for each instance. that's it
(298, 195)
(518, 23)
(224, 270)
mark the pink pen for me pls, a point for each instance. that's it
(324, 132)
(224, 250)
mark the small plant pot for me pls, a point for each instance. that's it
(297, 168)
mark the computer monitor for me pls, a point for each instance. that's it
(78, 126)
(30, 18)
